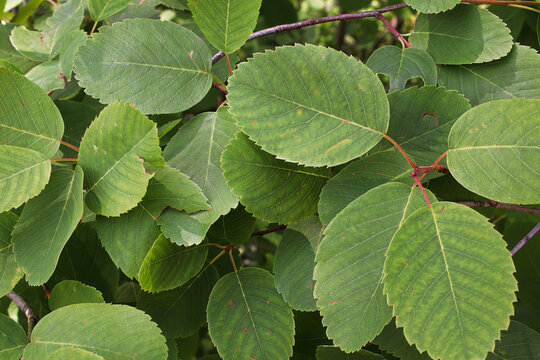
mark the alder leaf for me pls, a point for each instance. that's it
(466, 34)
(46, 223)
(309, 104)
(235, 227)
(430, 7)
(69, 292)
(513, 76)
(47, 75)
(102, 9)
(448, 275)
(403, 64)
(96, 328)
(350, 261)
(247, 318)
(159, 66)
(23, 174)
(28, 118)
(10, 273)
(9, 54)
(181, 311)
(392, 340)
(271, 189)
(493, 148)
(111, 155)
(227, 24)
(12, 339)
(360, 176)
(334, 353)
(517, 343)
(70, 45)
(73, 354)
(155, 273)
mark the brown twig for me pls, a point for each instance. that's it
(527, 237)
(498, 205)
(31, 316)
(309, 22)
(268, 231)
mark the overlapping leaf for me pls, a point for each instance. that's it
(46, 223)
(350, 261)
(448, 275)
(70, 45)
(28, 116)
(111, 155)
(430, 7)
(70, 292)
(102, 9)
(12, 339)
(517, 343)
(155, 273)
(403, 64)
(392, 340)
(10, 273)
(466, 34)
(234, 228)
(248, 318)
(227, 24)
(181, 311)
(309, 104)
(96, 328)
(271, 189)
(493, 149)
(47, 76)
(158, 66)
(510, 77)
(9, 55)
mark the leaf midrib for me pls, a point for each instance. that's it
(154, 66)
(279, 168)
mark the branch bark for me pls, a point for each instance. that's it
(268, 231)
(31, 316)
(523, 241)
(498, 205)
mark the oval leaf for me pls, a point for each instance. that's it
(448, 275)
(271, 189)
(46, 223)
(466, 34)
(148, 63)
(309, 104)
(227, 24)
(248, 318)
(70, 292)
(493, 147)
(102, 9)
(97, 328)
(111, 155)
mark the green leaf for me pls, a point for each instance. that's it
(335, 353)
(350, 261)
(111, 155)
(70, 45)
(171, 188)
(448, 275)
(466, 34)
(128, 238)
(360, 176)
(23, 174)
(293, 268)
(32, 44)
(227, 24)
(97, 328)
(248, 318)
(309, 104)
(47, 76)
(510, 77)
(28, 116)
(181, 311)
(46, 223)
(517, 343)
(70, 292)
(8, 52)
(421, 119)
(155, 273)
(12, 339)
(10, 273)
(158, 66)
(492, 148)
(102, 9)
(431, 7)
(186, 229)
(234, 228)
(73, 354)
(403, 64)
(77, 118)
(392, 340)
(271, 189)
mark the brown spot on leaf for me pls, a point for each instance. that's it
(333, 302)
(231, 303)
(245, 330)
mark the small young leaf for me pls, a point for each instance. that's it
(403, 64)
(309, 104)
(227, 24)
(431, 7)
(493, 147)
(97, 328)
(10, 273)
(148, 63)
(46, 223)
(448, 275)
(112, 153)
(102, 9)
(466, 34)
(271, 189)
(247, 318)
(12, 338)
(69, 292)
